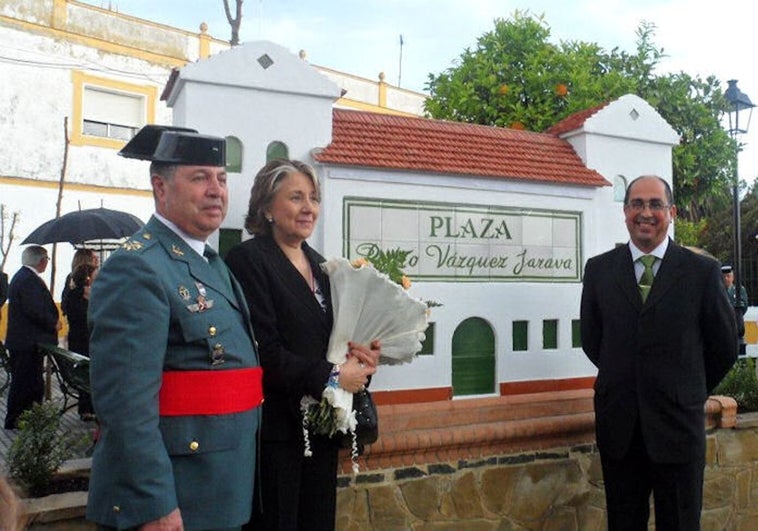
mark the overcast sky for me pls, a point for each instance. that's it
(362, 37)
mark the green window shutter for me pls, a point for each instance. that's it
(550, 334)
(233, 154)
(473, 358)
(277, 150)
(228, 238)
(520, 336)
(576, 333)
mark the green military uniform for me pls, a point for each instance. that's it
(146, 319)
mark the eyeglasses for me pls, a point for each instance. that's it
(655, 205)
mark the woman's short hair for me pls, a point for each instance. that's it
(266, 184)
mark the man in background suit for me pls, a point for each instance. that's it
(660, 344)
(174, 372)
(32, 318)
(3, 288)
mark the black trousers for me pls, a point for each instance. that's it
(27, 384)
(677, 491)
(293, 492)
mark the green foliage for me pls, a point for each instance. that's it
(718, 234)
(390, 262)
(515, 77)
(741, 384)
(321, 418)
(38, 450)
(688, 232)
(703, 160)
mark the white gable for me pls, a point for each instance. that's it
(632, 118)
(260, 65)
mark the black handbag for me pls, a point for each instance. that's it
(367, 421)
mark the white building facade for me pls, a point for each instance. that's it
(502, 251)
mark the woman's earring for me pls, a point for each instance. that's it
(270, 219)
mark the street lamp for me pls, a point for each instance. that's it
(737, 101)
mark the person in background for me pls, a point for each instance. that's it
(32, 318)
(740, 305)
(3, 288)
(81, 257)
(656, 322)
(75, 307)
(174, 371)
(289, 300)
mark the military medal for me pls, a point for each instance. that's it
(217, 354)
(184, 293)
(202, 303)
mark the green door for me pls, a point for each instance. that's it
(473, 358)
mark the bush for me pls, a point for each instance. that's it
(741, 384)
(38, 450)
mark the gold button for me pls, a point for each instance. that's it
(194, 445)
(212, 331)
(116, 509)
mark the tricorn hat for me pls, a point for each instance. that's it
(726, 269)
(175, 145)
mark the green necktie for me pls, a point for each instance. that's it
(646, 280)
(215, 261)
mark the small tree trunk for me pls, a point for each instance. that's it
(234, 22)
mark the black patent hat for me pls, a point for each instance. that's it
(175, 145)
(726, 269)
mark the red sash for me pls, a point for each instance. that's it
(210, 392)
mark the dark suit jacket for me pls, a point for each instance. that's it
(656, 361)
(32, 314)
(3, 288)
(291, 328)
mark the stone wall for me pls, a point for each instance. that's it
(546, 489)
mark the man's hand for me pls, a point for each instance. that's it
(171, 522)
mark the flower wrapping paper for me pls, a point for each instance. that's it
(367, 305)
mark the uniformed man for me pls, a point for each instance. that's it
(174, 371)
(740, 305)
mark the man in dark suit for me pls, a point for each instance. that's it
(32, 318)
(3, 288)
(662, 333)
(175, 377)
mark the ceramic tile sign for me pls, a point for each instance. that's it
(454, 242)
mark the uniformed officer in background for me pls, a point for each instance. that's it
(740, 305)
(174, 371)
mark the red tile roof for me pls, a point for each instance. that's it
(575, 121)
(373, 140)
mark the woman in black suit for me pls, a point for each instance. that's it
(291, 313)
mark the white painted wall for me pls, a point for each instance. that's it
(499, 303)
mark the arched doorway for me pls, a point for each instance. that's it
(473, 358)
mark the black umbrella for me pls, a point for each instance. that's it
(86, 225)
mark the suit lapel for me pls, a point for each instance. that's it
(294, 282)
(626, 278)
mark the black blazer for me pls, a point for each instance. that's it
(291, 328)
(3, 288)
(656, 361)
(32, 314)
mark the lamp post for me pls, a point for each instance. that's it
(737, 101)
